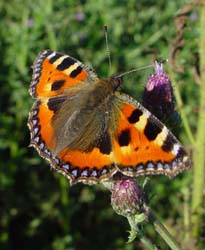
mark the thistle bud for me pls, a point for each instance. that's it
(158, 97)
(127, 197)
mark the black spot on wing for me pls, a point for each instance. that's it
(135, 116)
(76, 72)
(55, 103)
(66, 63)
(57, 85)
(168, 143)
(152, 129)
(124, 138)
(54, 58)
(104, 144)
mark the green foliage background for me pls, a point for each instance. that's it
(38, 208)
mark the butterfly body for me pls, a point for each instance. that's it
(89, 131)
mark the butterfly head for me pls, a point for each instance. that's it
(116, 81)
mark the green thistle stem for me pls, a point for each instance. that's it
(162, 231)
(199, 150)
(136, 232)
(136, 220)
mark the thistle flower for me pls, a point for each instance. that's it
(158, 97)
(127, 197)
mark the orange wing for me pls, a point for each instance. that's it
(144, 146)
(89, 167)
(54, 72)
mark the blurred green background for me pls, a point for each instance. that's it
(38, 208)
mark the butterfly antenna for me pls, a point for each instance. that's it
(107, 47)
(141, 68)
(133, 70)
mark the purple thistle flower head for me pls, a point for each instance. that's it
(158, 88)
(158, 95)
(127, 197)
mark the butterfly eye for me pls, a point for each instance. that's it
(116, 81)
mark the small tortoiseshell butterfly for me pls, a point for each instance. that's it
(88, 130)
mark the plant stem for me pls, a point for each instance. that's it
(162, 231)
(199, 152)
(136, 232)
(186, 212)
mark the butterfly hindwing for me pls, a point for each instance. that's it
(90, 166)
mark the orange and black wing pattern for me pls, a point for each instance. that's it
(131, 141)
(54, 74)
(144, 146)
